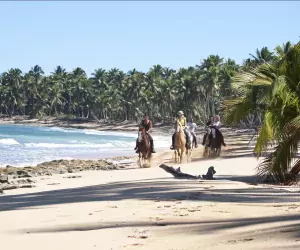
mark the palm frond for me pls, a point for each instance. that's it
(277, 165)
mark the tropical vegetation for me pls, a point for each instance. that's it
(269, 89)
(116, 95)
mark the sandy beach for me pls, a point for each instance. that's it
(134, 208)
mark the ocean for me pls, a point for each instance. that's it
(30, 145)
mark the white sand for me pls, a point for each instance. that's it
(149, 209)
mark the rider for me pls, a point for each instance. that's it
(192, 126)
(209, 123)
(147, 124)
(216, 129)
(182, 121)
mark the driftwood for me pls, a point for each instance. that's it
(210, 174)
(177, 172)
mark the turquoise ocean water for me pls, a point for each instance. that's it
(29, 145)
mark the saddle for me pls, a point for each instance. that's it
(147, 137)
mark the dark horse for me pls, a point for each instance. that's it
(144, 148)
(212, 146)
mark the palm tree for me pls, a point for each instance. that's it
(211, 71)
(35, 87)
(272, 90)
(262, 56)
(13, 80)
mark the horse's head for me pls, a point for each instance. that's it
(141, 133)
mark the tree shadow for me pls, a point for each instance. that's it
(289, 228)
(165, 189)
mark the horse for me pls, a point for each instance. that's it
(215, 144)
(144, 148)
(207, 149)
(180, 144)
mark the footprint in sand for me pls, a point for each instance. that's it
(73, 176)
(243, 240)
(138, 236)
(140, 232)
(133, 245)
(181, 215)
(293, 207)
(225, 212)
(193, 210)
(157, 218)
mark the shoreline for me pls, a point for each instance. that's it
(129, 127)
(64, 122)
(17, 176)
(21, 175)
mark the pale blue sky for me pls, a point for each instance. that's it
(139, 34)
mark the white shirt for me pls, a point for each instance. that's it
(192, 127)
(217, 124)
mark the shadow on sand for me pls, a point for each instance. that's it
(152, 189)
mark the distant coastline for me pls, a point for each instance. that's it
(81, 123)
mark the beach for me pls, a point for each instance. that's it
(65, 122)
(127, 207)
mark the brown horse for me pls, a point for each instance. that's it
(207, 149)
(180, 144)
(144, 148)
(215, 145)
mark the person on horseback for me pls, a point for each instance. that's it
(209, 123)
(147, 124)
(192, 126)
(182, 121)
(215, 129)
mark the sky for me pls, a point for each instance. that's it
(139, 34)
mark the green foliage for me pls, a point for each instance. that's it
(271, 90)
(116, 95)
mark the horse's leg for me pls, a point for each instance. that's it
(190, 153)
(150, 160)
(187, 155)
(139, 160)
(181, 155)
(191, 150)
(175, 155)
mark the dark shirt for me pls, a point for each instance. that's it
(147, 126)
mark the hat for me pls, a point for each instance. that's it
(180, 113)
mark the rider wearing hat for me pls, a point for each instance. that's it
(182, 120)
